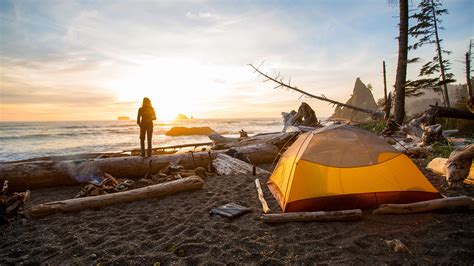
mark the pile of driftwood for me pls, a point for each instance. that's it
(11, 204)
(104, 185)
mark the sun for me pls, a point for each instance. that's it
(175, 86)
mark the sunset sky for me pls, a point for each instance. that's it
(94, 60)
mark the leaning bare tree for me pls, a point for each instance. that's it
(281, 84)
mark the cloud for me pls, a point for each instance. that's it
(68, 53)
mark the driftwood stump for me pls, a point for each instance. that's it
(458, 166)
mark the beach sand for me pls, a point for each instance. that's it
(178, 230)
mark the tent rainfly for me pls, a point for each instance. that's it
(343, 167)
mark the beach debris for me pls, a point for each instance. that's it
(261, 198)
(432, 134)
(78, 204)
(457, 169)
(230, 210)
(425, 206)
(398, 246)
(188, 131)
(318, 216)
(243, 134)
(12, 204)
(227, 165)
(103, 185)
(459, 166)
(38, 174)
(172, 149)
(278, 139)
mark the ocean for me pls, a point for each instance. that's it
(26, 140)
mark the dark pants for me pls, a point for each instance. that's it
(146, 129)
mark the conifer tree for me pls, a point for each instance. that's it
(435, 73)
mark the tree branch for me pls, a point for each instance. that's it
(374, 113)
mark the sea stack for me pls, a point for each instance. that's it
(361, 97)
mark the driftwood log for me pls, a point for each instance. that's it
(226, 165)
(78, 204)
(457, 168)
(262, 200)
(459, 165)
(278, 139)
(425, 206)
(347, 215)
(414, 127)
(36, 174)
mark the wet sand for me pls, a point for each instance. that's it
(178, 230)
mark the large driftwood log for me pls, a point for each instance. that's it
(226, 165)
(78, 204)
(424, 206)
(348, 215)
(415, 126)
(457, 169)
(278, 139)
(36, 174)
(459, 165)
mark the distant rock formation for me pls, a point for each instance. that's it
(187, 131)
(126, 118)
(361, 97)
(181, 117)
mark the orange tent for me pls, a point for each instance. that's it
(345, 167)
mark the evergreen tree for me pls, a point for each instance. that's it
(435, 73)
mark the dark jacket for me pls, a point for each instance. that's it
(146, 115)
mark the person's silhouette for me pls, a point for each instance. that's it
(145, 117)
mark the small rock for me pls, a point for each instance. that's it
(93, 256)
(397, 246)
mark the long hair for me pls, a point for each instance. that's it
(146, 102)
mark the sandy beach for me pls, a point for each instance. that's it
(178, 230)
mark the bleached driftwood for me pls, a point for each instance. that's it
(226, 165)
(347, 215)
(457, 168)
(265, 207)
(78, 204)
(424, 206)
(278, 139)
(459, 165)
(438, 165)
(36, 174)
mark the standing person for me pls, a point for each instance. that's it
(145, 117)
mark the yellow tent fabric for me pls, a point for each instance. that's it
(343, 167)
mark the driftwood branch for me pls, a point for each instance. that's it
(78, 204)
(265, 207)
(348, 215)
(424, 206)
(279, 81)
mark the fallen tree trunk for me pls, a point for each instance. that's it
(449, 112)
(36, 174)
(424, 206)
(226, 165)
(348, 215)
(278, 139)
(78, 204)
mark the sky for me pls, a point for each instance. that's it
(96, 60)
